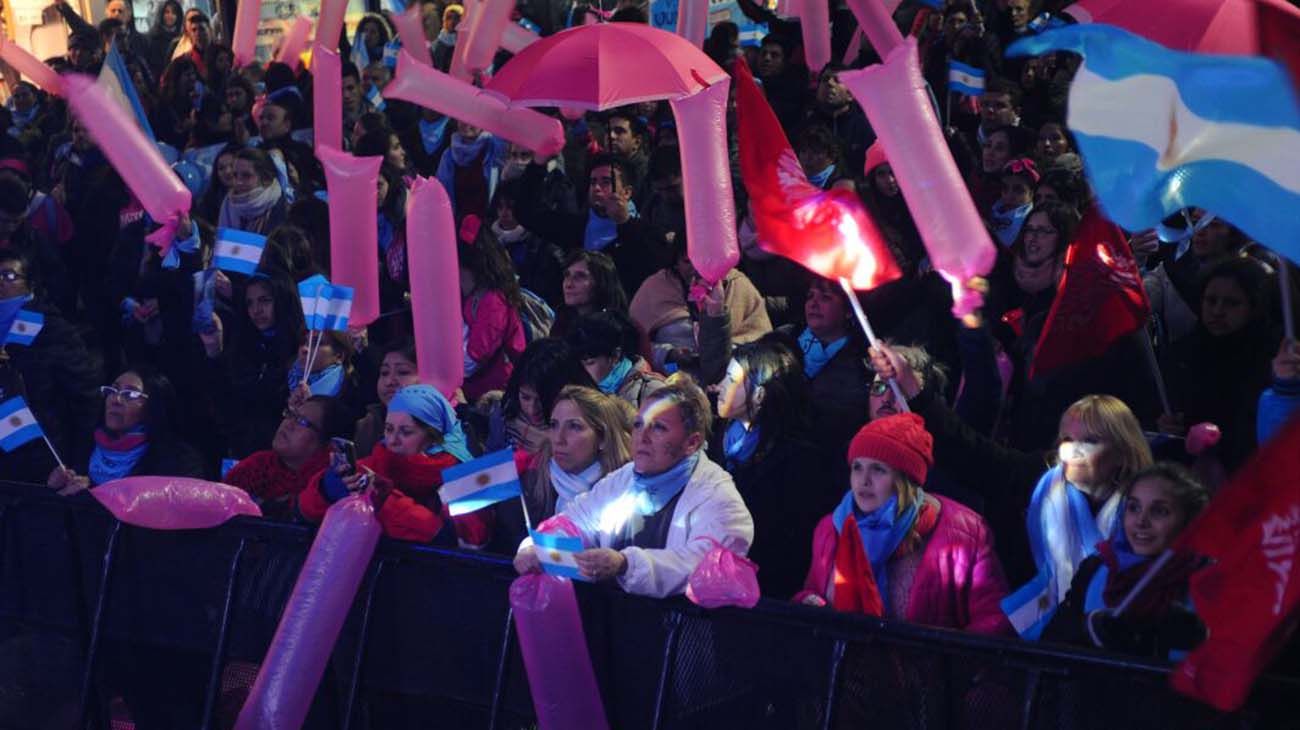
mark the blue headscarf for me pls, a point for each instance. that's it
(882, 531)
(425, 403)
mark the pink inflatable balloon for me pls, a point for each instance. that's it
(133, 155)
(815, 21)
(329, 24)
(711, 240)
(410, 30)
(295, 42)
(516, 37)
(173, 503)
(244, 42)
(310, 625)
(896, 101)
(877, 21)
(554, 646)
(353, 183)
(1201, 437)
(327, 97)
(459, 68)
(31, 67)
(435, 284)
(435, 90)
(490, 20)
(693, 21)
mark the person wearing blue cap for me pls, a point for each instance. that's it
(422, 437)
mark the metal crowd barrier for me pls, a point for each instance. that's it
(100, 619)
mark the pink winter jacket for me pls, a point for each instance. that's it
(496, 340)
(958, 584)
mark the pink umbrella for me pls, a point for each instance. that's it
(602, 66)
(1203, 26)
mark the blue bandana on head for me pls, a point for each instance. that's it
(816, 355)
(426, 404)
(653, 493)
(609, 384)
(882, 531)
(739, 444)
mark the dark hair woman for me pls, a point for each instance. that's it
(166, 28)
(544, 368)
(606, 342)
(220, 182)
(397, 370)
(181, 92)
(490, 304)
(590, 284)
(256, 202)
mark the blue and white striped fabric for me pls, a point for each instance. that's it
(238, 251)
(480, 483)
(375, 98)
(314, 292)
(556, 554)
(116, 80)
(1161, 131)
(17, 424)
(963, 79)
(391, 49)
(25, 327)
(339, 308)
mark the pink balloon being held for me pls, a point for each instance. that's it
(435, 90)
(133, 155)
(897, 103)
(244, 42)
(410, 30)
(313, 617)
(554, 646)
(327, 97)
(329, 24)
(31, 67)
(484, 37)
(1202, 437)
(173, 503)
(877, 20)
(815, 22)
(295, 42)
(459, 67)
(435, 285)
(515, 37)
(711, 241)
(353, 183)
(693, 21)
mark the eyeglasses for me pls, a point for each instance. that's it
(126, 395)
(299, 420)
(879, 387)
(1038, 231)
(9, 277)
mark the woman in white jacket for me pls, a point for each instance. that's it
(649, 523)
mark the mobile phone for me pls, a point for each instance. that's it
(343, 451)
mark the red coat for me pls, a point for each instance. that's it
(958, 584)
(406, 514)
(273, 484)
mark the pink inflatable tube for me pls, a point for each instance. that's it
(244, 42)
(31, 67)
(711, 239)
(295, 42)
(490, 20)
(321, 598)
(132, 154)
(515, 37)
(329, 24)
(459, 68)
(410, 30)
(327, 101)
(435, 285)
(877, 21)
(173, 503)
(693, 21)
(563, 685)
(815, 21)
(435, 90)
(353, 183)
(895, 99)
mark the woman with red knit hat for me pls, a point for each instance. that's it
(891, 550)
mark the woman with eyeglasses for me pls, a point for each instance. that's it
(135, 438)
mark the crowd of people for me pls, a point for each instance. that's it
(653, 414)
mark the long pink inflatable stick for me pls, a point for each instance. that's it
(554, 646)
(516, 37)
(435, 285)
(329, 24)
(173, 503)
(133, 155)
(31, 67)
(310, 624)
(815, 21)
(490, 20)
(410, 30)
(353, 183)
(693, 21)
(896, 100)
(435, 90)
(295, 42)
(877, 22)
(459, 60)
(327, 97)
(244, 42)
(711, 240)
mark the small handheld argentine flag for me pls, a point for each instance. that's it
(1032, 607)
(17, 424)
(314, 292)
(339, 308)
(375, 98)
(556, 554)
(238, 251)
(391, 49)
(25, 327)
(963, 79)
(480, 483)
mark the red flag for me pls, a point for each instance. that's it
(1249, 598)
(827, 231)
(1278, 26)
(1100, 298)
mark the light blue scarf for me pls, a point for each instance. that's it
(567, 486)
(653, 493)
(431, 408)
(328, 381)
(1007, 223)
(601, 230)
(816, 355)
(111, 460)
(739, 444)
(431, 134)
(821, 178)
(882, 531)
(609, 384)
(179, 246)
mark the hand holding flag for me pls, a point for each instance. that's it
(18, 426)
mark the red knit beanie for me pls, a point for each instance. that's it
(900, 441)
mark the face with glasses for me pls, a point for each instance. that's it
(13, 280)
(881, 400)
(299, 436)
(1040, 237)
(125, 402)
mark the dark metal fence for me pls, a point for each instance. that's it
(100, 619)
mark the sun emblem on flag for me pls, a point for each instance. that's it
(482, 480)
(15, 421)
(1044, 603)
(234, 250)
(555, 556)
(20, 328)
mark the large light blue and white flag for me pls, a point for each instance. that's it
(479, 483)
(556, 554)
(1161, 130)
(339, 308)
(25, 327)
(17, 424)
(314, 292)
(238, 251)
(116, 80)
(963, 79)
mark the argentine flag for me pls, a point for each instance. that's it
(479, 483)
(375, 98)
(314, 292)
(17, 424)
(116, 80)
(338, 308)
(556, 554)
(1161, 130)
(238, 251)
(25, 327)
(963, 79)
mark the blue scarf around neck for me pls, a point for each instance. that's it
(882, 531)
(821, 178)
(386, 232)
(609, 384)
(567, 486)
(107, 463)
(653, 493)
(327, 381)
(815, 354)
(601, 230)
(739, 444)
(1007, 223)
(431, 134)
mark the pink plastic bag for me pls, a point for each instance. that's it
(723, 578)
(173, 503)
